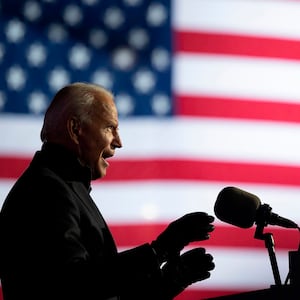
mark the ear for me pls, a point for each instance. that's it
(74, 127)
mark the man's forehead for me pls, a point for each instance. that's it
(106, 109)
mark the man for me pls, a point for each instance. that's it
(55, 243)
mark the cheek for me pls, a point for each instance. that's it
(92, 145)
(103, 142)
(89, 149)
(96, 148)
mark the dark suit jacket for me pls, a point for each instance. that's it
(55, 243)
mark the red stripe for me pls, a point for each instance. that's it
(222, 107)
(245, 293)
(175, 169)
(180, 169)
(189, 294)
(231, 44)
(129, 235)
(203, 294)
(12, 166)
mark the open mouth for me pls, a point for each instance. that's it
(105, 156)
(105, 161)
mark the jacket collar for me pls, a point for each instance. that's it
(63, 162)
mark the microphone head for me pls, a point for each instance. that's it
(236, 207)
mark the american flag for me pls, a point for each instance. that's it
(208, 93)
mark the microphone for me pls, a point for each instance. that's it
(242, 209)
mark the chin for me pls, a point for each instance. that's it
(98, 172)
(101, 173)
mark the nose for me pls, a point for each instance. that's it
(117, 143)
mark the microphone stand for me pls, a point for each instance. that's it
(261, 220)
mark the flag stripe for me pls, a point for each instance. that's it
(162, 201)
(13, 167)
(218, 107)
(176, 169)
(215, 139)
(203, 170)
(221, 43)
(206, 293)
(223, 236)
(279, 18)
(237, 76)
(194, 294)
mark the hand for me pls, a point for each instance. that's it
(189, 228)
(190, 267)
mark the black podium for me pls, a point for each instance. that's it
(273, 293)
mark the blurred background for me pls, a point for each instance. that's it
(208, 93)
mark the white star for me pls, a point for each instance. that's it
(156, 14)
(57, 33)
(125, 104)
(15, 31)
(161, 104)
(160, 58)
(144, 81)
(138, 38)
(36, 55)
(58, 78)
(79, 56)
(104, 78)
(133, 2)
(90, 2)
(72, 15)
(37, 102)
(16, 78)
(113, 17)
(98, 38)
(123, 58)
(32, 10)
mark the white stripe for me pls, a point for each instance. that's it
(216, 139)
(244, 268)
(157, 201)
(20, 134)
(154, 201)
(249, 17)
(234, 76)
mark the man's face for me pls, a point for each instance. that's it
(98, 138)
